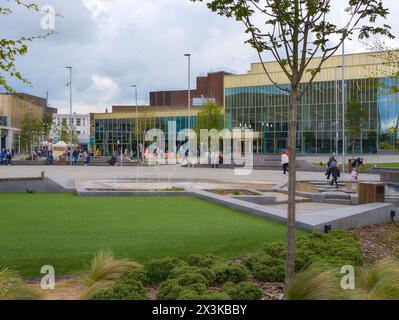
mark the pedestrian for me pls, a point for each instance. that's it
(335, 173)
(86, 160)
(354, 174)
(330, 161)
(3, 157)
(75, 156)
(357, 163)
(285, 160)
(50, 157)
(8, 157)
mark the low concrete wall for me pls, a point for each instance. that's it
(351, 217)
(257, 199)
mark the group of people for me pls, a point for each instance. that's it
(77, 155)
(332, 168)
(6, 157)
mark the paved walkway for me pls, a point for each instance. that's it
(367, 158)
(66, 175)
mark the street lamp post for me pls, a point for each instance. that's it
(343, 108)
(137, 123)
(336, 113)
(31, 129)
(70, 113)
(188, 55)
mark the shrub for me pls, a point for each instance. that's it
(203, 261)
(159, 270)
(135, 274)
(104, 270)
(265, 267)
(172, 290)
(190, 278)
(12, 287)
(209, 274)
(243, 291)
(314, 284)
(207, 295)
(229, 272)
(121, 290)
(336, 248)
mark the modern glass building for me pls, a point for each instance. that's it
(111, 131)
(252, 101)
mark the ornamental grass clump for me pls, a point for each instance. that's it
(104, 270)
(12, 287)
(381, 282)
(315, 284)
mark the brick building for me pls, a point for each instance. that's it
(209, 88)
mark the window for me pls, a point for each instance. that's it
(78, 122)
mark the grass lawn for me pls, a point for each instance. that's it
(66, 231)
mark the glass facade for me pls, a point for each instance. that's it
(108, 132)
(265, 110)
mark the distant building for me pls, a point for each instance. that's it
(14, 107)
(80, 123)
(209, 88)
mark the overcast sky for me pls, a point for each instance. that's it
(114, 43)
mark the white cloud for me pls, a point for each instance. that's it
(114, 43)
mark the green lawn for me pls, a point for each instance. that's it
(65, 231)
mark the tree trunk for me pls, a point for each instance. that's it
(291, 225)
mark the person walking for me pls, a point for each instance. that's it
(285, 160)
(3, 157)
(335, 173)
(75, 155)
(8, 157)
(332, 159)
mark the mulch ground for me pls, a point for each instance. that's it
(379, 242)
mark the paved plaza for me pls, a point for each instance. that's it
(65, 176)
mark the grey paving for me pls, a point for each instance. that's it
(36, 186)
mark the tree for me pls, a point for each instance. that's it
(31, 127)
(10, 49)
(294, 32)
(63, 133)
(395, 133)
(389, 57)
(209, 117)
(47, 123)
(140, 126)
(355, 117)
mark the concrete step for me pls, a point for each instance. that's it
(339, 201)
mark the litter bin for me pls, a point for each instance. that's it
(371, 193)
(62, 161)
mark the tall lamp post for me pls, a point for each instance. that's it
(31, 130)
(188, 55)
(70, 113)
(343, 108)
(336, 112)
(137, 121)
(349, 10)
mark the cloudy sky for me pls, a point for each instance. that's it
(114, 43)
